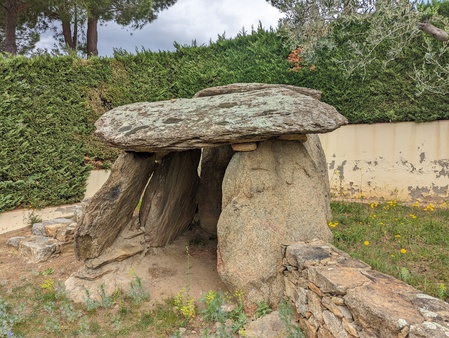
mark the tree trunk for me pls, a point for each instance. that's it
(437, 33)
(75, 29)
(92, 36)
(67, 33)
(12, 9)
(11, 12)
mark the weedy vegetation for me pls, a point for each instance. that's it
(410, 242)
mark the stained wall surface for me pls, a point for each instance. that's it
(405, 161)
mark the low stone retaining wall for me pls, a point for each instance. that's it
(338, 296)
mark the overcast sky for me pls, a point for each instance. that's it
(187, 20)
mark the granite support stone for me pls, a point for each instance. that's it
(271, 196)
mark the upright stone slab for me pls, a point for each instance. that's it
(169, 202)
(111, 208)
(275, 195)
(214, 162)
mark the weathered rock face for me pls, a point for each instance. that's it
(274, 195)
(214, 162)
(169, 202)
(48, 238)
(112, 207)
(211, 121)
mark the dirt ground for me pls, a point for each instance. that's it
(189, 263)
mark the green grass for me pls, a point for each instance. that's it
(410, 243)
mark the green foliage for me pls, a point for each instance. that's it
(41, 158)
(8, 318)
(230, 322)
(48, 105)
(263, 308)
(381, 92)
(213, 311)
(91, 304)
(137, 292)
(185, 305)
(33, 218)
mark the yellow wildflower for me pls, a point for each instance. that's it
(211, 295)
(403, 251)
(366, 242)
(397, 236)
(392, 203)
(333, 224)
(413, 216)
(48, 284)
(430, 207)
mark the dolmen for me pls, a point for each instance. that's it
(246, 158)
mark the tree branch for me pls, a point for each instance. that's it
(437, 33)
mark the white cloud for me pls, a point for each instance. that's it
(46, 41)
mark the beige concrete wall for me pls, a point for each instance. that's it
(95, 181)
(404, 161)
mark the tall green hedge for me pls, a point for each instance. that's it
(48, 105)
(41, 153)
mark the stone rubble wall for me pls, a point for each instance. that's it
(338, 296)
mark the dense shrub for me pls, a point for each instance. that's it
(41, 127)
(48, 105)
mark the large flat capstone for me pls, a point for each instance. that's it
(211, 121)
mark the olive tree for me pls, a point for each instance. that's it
(392, 25)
